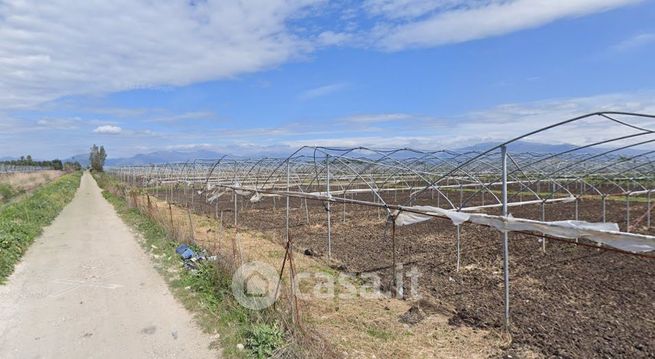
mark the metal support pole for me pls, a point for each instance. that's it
(459, 227)
(287, 213)
(505, 236)
(329, 222)
(543, 219)
(648, 211)
(235, 208)
(604, 211)
(627, 213)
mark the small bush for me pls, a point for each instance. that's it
(263, 339)
(6, 192)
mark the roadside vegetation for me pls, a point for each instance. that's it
(206, 291)
(22, 221)
(15, 185)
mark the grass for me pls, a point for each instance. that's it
(379, 333)
(22, 221)
(206, 292)
(8, 192)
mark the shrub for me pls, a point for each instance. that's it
(263, 339)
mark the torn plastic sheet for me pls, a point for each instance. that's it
(241, 192)
(605, 233)
(259, 196)
(215, 196)
(406, 218)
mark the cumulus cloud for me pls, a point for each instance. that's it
(108, 130)
(58, 48)
(49, 50)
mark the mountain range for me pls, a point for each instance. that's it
(182, 156)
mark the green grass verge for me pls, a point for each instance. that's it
(22, 221)
(7, 192)
(205, 292)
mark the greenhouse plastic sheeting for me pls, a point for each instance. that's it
(605, 233)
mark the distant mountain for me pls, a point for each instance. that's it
(169, 156)
(162, 157)
(83, 159)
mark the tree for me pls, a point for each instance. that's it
(57, 165)
(97, 158)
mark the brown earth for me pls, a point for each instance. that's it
(571, 301)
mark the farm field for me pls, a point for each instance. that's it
(300, 179)
(557, 296)
(14, 184)
(579, 241)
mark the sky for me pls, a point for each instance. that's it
(252, 77)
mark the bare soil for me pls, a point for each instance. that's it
(571, 301)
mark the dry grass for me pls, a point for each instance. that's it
(350, 328)
(29, 181)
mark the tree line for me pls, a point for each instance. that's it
(55, 164)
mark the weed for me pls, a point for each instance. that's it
(21, 222)
(263, 339)
(7, 192)
(379, 333)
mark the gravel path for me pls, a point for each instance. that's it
(86, 289)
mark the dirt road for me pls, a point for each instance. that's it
(86, 289)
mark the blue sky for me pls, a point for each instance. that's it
(273, 75)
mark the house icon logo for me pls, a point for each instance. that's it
(254, 285)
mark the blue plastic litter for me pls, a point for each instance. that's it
(181, 248)
(188, 254)
(190, 257)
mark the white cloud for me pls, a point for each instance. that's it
(377, 118)
(485, 19)
(636, 41)
(49, 50)
(59, 123)
(322, 91)
(398, 9)
(331, 38)
(58, 48)
(108, 130)
(497, 124)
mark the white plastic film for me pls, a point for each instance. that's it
(606, 233)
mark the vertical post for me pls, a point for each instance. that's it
(236, 208)
(627, 213)
(648, 211)
(577, 208)
(543, 219)
(604, 198)
(461, 195)
(306, 211)
(459, 227)
(329, 222)
(397, 275)
(503, 154)
(287, 212)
